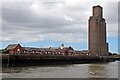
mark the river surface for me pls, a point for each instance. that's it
(95, 70)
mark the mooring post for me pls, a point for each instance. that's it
(14, 56)
(8, 61)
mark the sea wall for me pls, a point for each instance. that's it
(37, 60)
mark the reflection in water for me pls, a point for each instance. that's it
(31, 68)
(97, 71)
(101, 70)
(13, 69)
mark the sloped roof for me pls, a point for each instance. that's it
(36, 49)
(11, 46)
(53, 49)
(72, 51)
(31, 48)
(25, 48)
(43, 49)
(77, 51)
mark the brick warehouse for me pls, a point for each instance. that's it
(97, 33)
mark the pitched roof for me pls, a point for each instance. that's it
(11, 46)
(53, 49)
(36, 49)
(78, 51)
(31, 48)
(72, 51)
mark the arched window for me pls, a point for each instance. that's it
(18, 51)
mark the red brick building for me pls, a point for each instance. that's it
(97, 33)
(18, 49)
(49, 51)
(14, 49)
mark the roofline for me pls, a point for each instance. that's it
(97, 6)
(14, 47)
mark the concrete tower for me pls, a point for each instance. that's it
(97, 33)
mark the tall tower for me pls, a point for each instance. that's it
(97, 33)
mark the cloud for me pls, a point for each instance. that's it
(65, 21)
(111, 16)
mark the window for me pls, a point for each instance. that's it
(59, 52)
(33, 51)
(18, 50)
(49, 52)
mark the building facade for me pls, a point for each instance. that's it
(18, 49)
(97, 33)
(14, 48)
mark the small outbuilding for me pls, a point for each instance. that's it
(14, 49)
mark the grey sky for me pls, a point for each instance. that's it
(65, 21)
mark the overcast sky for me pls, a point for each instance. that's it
(63, 21)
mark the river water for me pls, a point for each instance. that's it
(95, 70)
